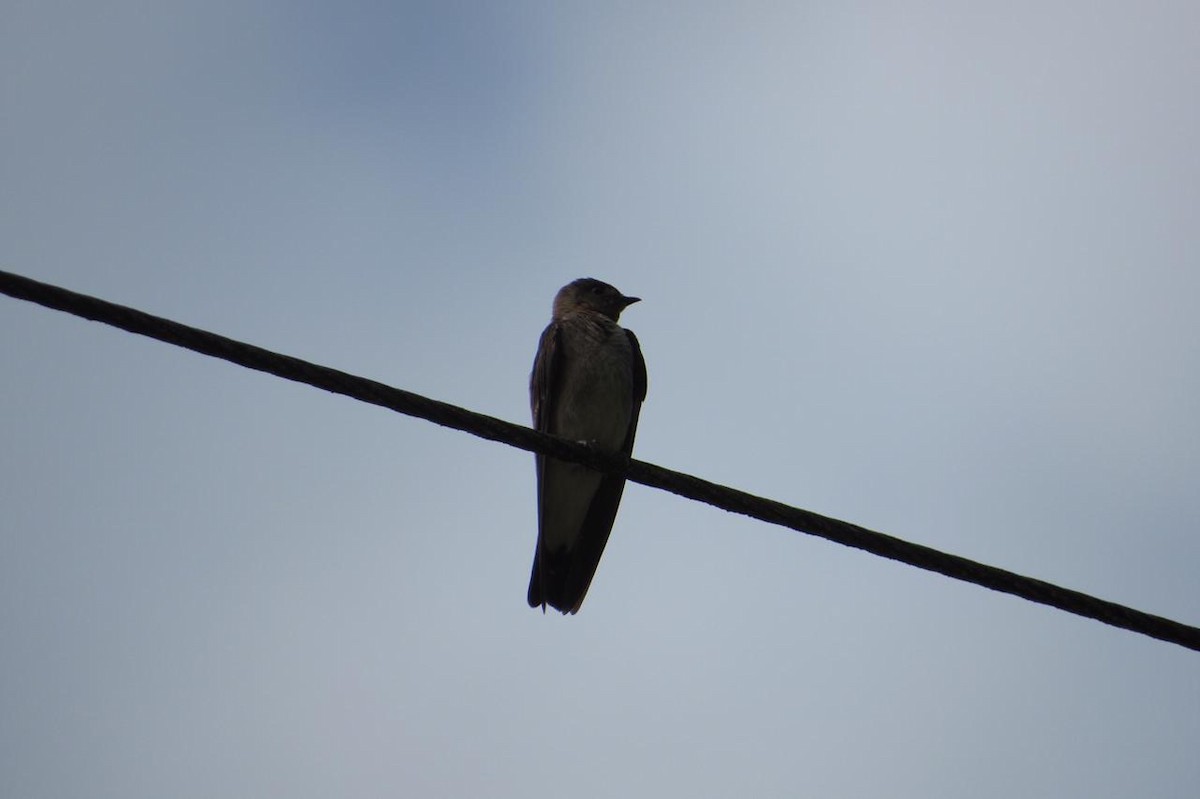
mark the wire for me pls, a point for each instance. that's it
(685, 485)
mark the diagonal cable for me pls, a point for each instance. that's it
(685, 485)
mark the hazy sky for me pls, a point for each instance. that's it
(930, 267)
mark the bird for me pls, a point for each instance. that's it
(588, 384)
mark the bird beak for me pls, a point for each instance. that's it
(627, 301)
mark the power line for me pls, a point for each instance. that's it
(685, 485)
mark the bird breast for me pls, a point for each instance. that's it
(597, 385)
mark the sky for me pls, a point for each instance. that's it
(929, 267)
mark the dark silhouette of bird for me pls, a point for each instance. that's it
(588, 384)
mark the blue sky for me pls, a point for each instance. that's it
(928, 267)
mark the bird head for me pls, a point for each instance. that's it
(589, 294)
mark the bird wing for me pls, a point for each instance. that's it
(542, 385)
(598, 523)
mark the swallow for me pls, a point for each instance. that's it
(587, 385)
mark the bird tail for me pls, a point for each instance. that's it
(548, 584)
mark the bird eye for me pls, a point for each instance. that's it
(597, 289)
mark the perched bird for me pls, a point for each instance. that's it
(588, 384)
